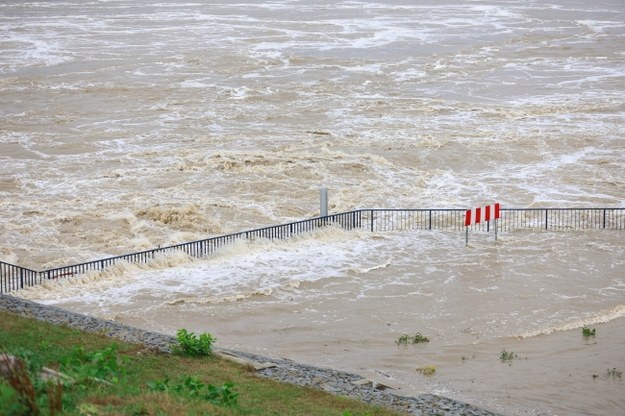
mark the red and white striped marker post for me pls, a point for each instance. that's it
(477, 215)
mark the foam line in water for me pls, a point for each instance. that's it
(600, 317)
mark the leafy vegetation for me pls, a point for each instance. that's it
(104, 379)
(191, 345)
(428, 370)
(405, 339)
(587, 332)
(506, 356)
(192, 386)
(98, 366)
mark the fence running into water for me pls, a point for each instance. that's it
(14, 277)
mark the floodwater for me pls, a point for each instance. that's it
(126, 125)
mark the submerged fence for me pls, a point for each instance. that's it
(555, 219)
(14, 277)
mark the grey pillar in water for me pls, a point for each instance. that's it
(323, 193)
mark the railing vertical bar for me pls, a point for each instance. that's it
(578, 218)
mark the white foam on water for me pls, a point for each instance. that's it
(24, 49)
(234, 272)
(600, 26)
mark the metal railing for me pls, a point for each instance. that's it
(14, 277)
(555, 219)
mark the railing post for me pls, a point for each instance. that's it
(371, 220)
(21, 278)
(323, 205)
(430, 220)
(604, 218)
(546, 218)
(495, 223)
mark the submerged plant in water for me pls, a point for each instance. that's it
(507, 355)
(416, 339)
(587, 332)
(428, 370)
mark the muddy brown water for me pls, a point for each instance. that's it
(126, 125)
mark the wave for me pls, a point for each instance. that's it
(365, 270)
(602, 317)
(116, 275)
(190, 300)
(258, 252)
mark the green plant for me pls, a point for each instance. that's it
(191, 345)
(100, 365)
(615, 373)
(403, 339)
(587, 332)
(192, 386)
(160, 385)
(428, 370)
(45, 346)
(507, 355)
(418, 338)
(222, 396)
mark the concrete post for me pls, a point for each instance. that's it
(323, 197)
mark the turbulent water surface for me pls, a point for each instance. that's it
(126, 125)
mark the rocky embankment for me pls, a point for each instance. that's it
(335, 382)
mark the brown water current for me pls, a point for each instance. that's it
(125, 125)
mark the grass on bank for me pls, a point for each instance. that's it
(131, 373)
